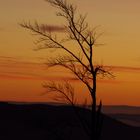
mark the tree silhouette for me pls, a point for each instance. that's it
(80, 63)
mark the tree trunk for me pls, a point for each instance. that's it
(93, 123)
(96, 119)
(93, 110)
(93, 115)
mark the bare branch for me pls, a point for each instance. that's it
(77, 28)
(100, 70)
(50, 41)
(65, 90)
(71, 64)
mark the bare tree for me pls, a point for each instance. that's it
(80, 63)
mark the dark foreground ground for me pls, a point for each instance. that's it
(45, 122)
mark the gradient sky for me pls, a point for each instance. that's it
(22, 70)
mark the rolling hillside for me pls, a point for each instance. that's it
(41, 122)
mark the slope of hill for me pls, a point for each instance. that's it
(127, 114)
(41, 122)
(121, 109)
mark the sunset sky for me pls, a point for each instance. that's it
(22, 70)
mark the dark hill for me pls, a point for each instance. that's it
(45, 122)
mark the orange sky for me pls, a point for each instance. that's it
(22, 71)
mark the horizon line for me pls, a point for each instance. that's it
(56, 103)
